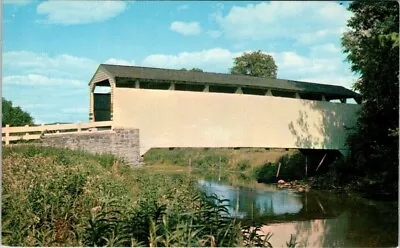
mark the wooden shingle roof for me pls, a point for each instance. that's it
(194, 77)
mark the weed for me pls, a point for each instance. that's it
(244, 165)
(59, 197)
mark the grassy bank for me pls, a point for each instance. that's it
(243, 159)
(258, 163)
(57, 197)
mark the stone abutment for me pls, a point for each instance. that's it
(123, 143)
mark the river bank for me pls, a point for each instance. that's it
(316, 218)
(272, 165)
(59, 197)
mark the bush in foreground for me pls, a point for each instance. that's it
(58, 197)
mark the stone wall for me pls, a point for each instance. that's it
(124, 143)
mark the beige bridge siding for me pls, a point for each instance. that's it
(196, 119)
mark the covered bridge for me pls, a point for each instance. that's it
(176, 108)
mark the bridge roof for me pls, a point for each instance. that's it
(149, 73)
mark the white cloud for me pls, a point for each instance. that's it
(183, 7)
(216, 59)
(321, 35)
(39, 80)
(317, 68)
(80, 12)
(290, 60)
(294, 66)
(280, 19)
(102, 89)
(63, 65)
(17, 2)
(186, 28)
(115, 61)
(45, 84)
(214, 33)
(325, 50)
(51, 87)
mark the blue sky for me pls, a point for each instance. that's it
(51, 49)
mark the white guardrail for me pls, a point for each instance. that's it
(9, 133)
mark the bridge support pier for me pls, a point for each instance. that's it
(123, 143)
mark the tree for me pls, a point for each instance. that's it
(372, 48)
(14, 116)
(257, 64)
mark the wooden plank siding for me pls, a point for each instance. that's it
(100, 75)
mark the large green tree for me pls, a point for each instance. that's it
(14, 116)
(257, 64)
(372, 48)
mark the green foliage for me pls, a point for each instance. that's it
(257, 64)
(211, 162)
(199, 158)
(266, 173)
(339, 173)
(59, 197)
(252, 238)
(244, 165)
(292, 168)
(14, 116)
(175, 157)
(371, 45)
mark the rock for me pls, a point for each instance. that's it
(300, 189)
(287, 185)
(281, 181)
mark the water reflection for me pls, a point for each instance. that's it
(251, 203)
(318, 219)
(313, 233)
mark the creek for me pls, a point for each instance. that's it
(316, 218)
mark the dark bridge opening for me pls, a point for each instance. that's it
(319, 160)
(102, 101)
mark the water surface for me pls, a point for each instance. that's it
(317, 218)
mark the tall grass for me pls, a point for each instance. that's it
(242, 160)
(59, 197)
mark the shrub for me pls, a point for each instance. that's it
(211, 161)
(292, 168)
(266, 173)
(14, 116)
(243, 165)
(59, 197)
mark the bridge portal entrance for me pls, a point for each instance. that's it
(102, 102)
